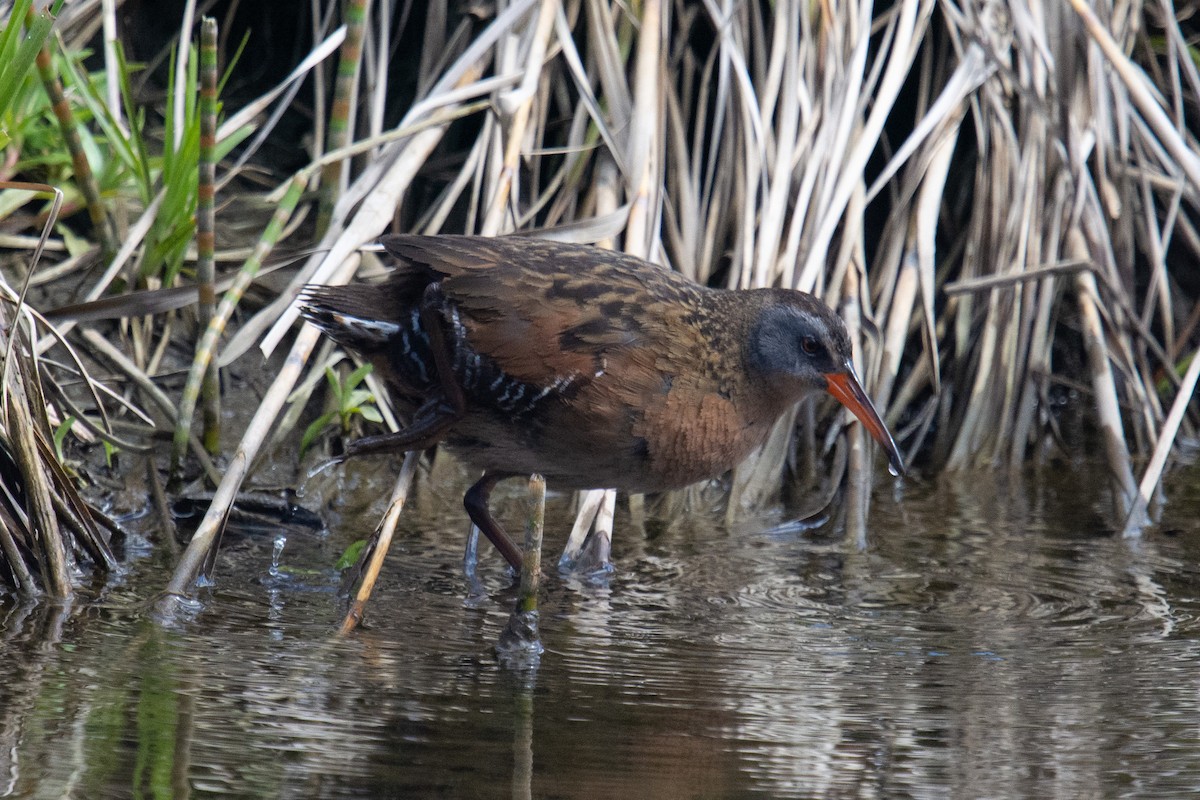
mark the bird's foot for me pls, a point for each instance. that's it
(592, 560)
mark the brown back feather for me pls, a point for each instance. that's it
(543, 310)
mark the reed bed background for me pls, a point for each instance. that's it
(999, 196)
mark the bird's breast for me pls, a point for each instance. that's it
(695, 434)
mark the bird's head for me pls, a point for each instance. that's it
(801, 346)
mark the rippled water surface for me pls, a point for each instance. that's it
(995, 639)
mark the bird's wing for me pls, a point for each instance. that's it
(543, 310)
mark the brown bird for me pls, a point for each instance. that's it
(594, 368)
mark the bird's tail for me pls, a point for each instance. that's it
(357, 316)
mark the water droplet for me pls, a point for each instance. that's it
(280, 543)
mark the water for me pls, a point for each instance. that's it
(996, 639)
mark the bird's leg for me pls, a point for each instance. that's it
(433, 302)
(476, 503)
(429, 425)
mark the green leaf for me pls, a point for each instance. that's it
(226, 145)
(357, 398)
(60, 435)
(335, 385)
(351, 555)
(16, 54)
(315, 429)
(357, 377)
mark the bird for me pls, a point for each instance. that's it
(594, 368)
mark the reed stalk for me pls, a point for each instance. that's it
(375, 551)
(206, 347)
(1002, 196)
(342, 110)
(531, 566)
(85, 179)
(210, 386)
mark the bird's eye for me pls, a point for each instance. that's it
(810, 345)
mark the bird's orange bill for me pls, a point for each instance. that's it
(844, 386)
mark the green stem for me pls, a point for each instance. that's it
(206, 227)
(339, 113)
(216, 327)
(531, 567)
(85, 179)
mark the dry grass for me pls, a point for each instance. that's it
(998, 195)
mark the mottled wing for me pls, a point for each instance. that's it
(542, 310)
